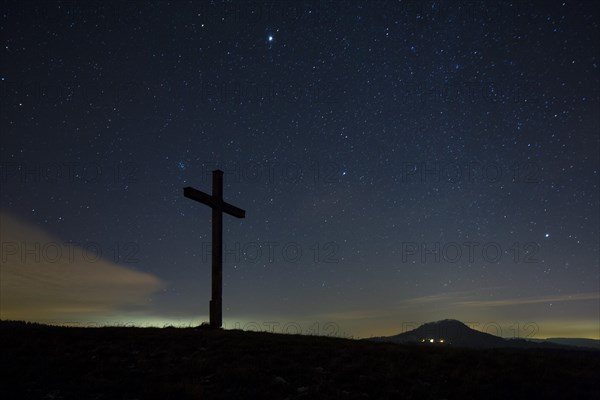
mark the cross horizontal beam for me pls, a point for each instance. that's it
(213, 202)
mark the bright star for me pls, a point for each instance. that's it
(547, 235)
(270, 38)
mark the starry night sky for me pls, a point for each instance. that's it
(399, 162)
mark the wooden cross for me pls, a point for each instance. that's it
(218, 208)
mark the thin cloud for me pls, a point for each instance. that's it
(44, 279)
(530, 300)
(447, 297)
(472, 299)
(434, 298)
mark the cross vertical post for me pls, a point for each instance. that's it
(218, 208)
(216, 303)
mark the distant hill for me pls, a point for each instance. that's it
(450, 332)
(587, 343)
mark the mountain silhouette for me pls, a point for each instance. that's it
(450, 332)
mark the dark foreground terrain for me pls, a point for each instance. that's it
(39, 362)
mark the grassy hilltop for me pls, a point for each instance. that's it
(40, 362)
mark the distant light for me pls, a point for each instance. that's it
(270, 38)
(431, 340)
(547, 235)
(441, 340)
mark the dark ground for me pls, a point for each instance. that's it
(38, 362)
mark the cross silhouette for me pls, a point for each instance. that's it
(218, 208)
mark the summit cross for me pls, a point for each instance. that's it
(218, 208)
